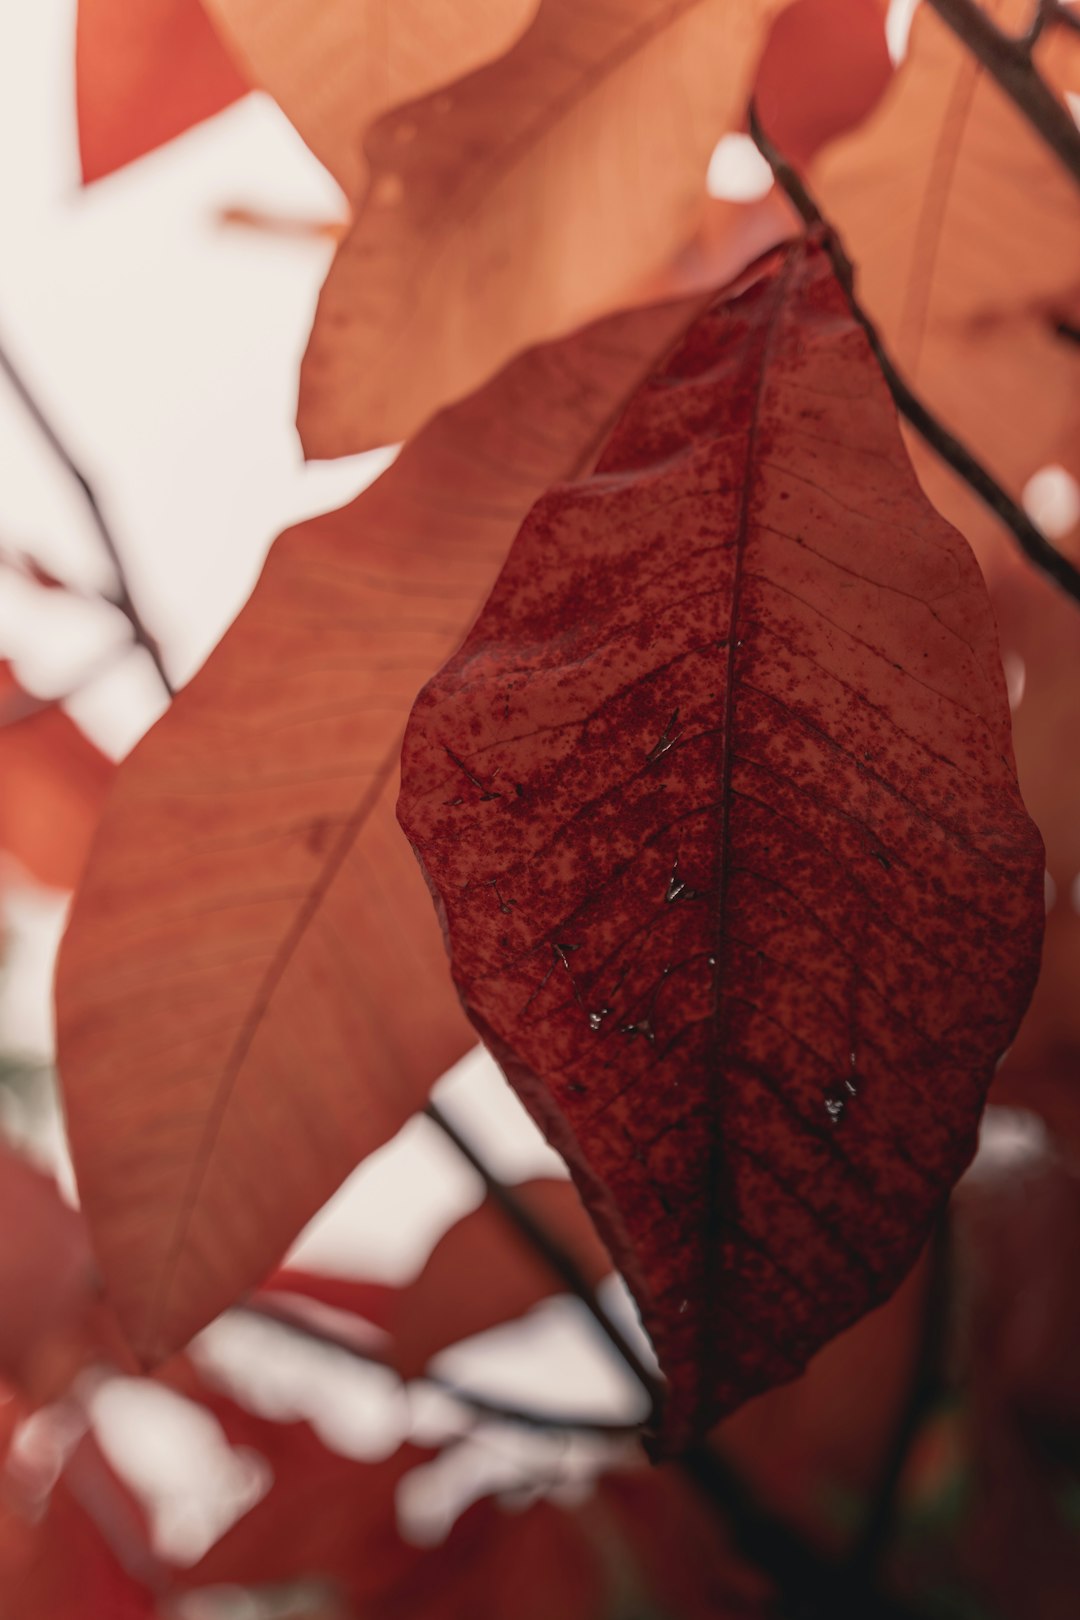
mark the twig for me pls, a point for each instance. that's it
(955, 454)
(923, 1390)
(121, 598)
(1009, 61)
(482, 1405)
(561, 1263)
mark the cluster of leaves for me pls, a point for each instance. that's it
(711, 779)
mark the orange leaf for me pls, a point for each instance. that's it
(53, 783)
(529, 198)
(335, 67)
(253, 993)
(965, 233)
(145, 71)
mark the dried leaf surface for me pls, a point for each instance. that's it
(718, 802)
(529, 198)
(252, 992)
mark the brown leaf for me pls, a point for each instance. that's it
(965, 232)
(334, 68)
(252, 993)
(480, 1274)
(144, 73)
(529, 198)
(730, 739)
(53, 782)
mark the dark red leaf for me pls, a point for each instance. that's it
(718, 802)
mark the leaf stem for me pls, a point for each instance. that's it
(560, 1262)
(121, 598)
(1009, 61)
(1031, 540)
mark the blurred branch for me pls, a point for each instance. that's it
(1051, 13)
(811, 1585)
(946, 445)
(121, 597)
(1009, 61)
(561, 1263)
(501, 1411)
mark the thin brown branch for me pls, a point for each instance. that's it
(1030, 538)
(561, 1263)
(1009, 61)
(121, 598)
(482, 1405)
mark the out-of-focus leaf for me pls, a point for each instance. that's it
(1017, 1224)
(335, 67)
(253, 993)
(811, 1447)
(145, 71)
(323, 1515)
(673, 1551)
(824, 68)
(481, 1273)
(533, 1565)
(718, 803)
(529, 198)
(1040, 641)
(52, 1318)
(966, 235)
(53, 783)
(55, 1564)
